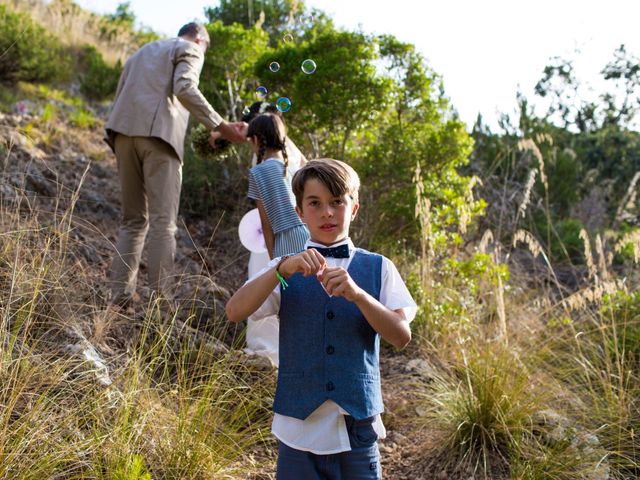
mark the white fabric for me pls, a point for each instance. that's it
(263, 330)
(324, 432)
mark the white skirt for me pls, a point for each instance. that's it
(262, 332)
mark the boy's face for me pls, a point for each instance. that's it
(327, 217)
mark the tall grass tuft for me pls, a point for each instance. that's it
(599, 365)
(484, 408)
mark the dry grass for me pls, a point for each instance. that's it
(75, 26)
(163, 407)
(573, 353)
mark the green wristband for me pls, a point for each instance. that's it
(283, 282)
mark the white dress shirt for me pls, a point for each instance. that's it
(324, 432)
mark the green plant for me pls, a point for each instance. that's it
(98, 80)
(484, 410)
(28, 51)
(81, 118)
(131, 469)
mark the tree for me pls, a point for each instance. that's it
(227, 78)
(339, 99)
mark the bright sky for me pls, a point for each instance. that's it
(485, 50)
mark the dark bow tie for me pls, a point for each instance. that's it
(341, 251)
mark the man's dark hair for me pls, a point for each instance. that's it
(194, 30)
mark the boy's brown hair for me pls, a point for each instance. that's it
(337, 176)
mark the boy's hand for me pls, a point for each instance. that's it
(308, 263)
(338, 282)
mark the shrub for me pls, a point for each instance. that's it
(213, 182)
(486, 408)
(28, 52)
(99, 79)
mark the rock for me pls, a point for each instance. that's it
(601, 472)
(421, 367)
(422, 411)
(94, 360)
(554, 427)
(585, 441)
(384, 448)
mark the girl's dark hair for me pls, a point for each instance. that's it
(271, 134)
(257, 108)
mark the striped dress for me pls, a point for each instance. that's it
(268, 184)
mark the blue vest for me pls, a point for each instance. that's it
(328, 350)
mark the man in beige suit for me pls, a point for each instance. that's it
(157, 91)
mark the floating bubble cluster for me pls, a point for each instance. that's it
(308, 66)
(274, 66)
(283, 104)
(261, 92)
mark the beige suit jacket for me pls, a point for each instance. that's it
(157, 90)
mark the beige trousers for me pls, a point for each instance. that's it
(150, 180)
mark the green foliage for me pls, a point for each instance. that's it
(455, 301)
(387, 170)
(623, 312)
(276, 17)
(341, 98)
(132, 468)
(616, 107)
(98, 80)
(123, 15)
(344, 110)
(81, 118)
(566, 244)
(122, 22)
(214, 183)
(227, 76)
(28, 52)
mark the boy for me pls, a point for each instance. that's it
(333, 304)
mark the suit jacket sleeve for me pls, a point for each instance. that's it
(188, 65)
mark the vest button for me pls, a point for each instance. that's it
(330, 315)
(330, 349)
(330, 386)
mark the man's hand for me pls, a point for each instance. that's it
(308, 262)
(337, 282)
(235, 132)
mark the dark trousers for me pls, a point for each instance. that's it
(361, 463)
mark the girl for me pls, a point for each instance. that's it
(270, 187)
(276, 159)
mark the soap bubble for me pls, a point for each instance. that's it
(283, 104)
(246, 111)
(308, 66)
(274, 66)
(261, 92)
(288, 38)
(306, 19)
